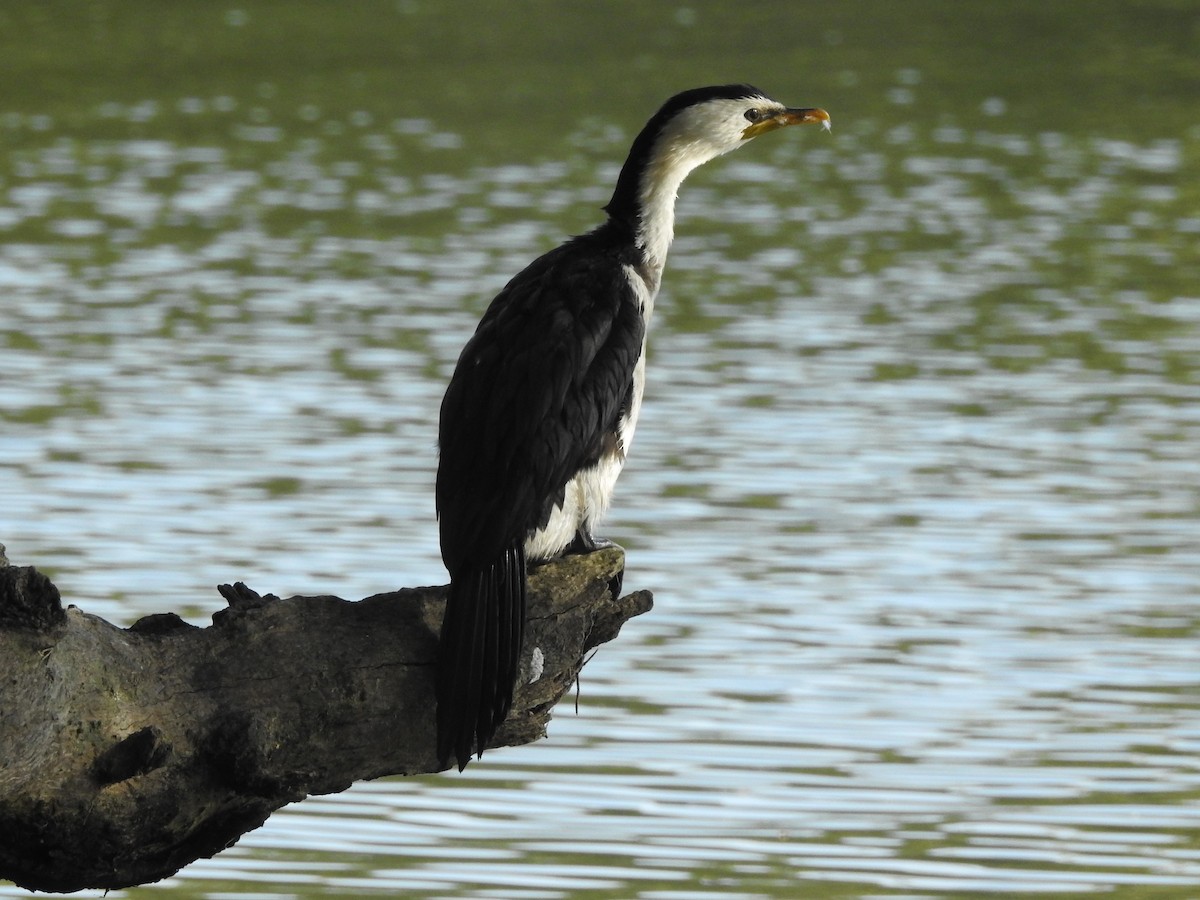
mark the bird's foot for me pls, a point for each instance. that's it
(585, 542)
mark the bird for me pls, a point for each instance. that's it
(540, 412)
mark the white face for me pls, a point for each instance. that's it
(693, 137)
(709, 129)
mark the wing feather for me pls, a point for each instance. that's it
(536, 392)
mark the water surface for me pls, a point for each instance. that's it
(916, 488)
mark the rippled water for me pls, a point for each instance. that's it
(916, 488)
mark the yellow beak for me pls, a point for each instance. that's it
(787, 117)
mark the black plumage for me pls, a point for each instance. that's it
(544, 398)
(536, 396)
(536, 391)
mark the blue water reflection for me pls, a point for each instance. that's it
(916, 486)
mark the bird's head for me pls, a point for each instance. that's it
(714, 120)
(690, 129)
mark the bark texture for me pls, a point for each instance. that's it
(127, 753)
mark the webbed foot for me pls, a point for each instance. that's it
(585, 542)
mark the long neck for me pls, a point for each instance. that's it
(644, 198)
(656, 215)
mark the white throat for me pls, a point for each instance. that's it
(691, 139)
(656, 228)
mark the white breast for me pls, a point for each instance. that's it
(589, 493)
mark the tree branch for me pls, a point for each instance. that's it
(126, 754)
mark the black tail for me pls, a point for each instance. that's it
(478, 655)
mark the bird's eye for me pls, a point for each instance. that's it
(753, 115)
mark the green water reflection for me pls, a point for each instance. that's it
(917, 487)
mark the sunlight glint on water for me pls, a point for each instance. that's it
(916, 491)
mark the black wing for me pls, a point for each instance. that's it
(536, 393)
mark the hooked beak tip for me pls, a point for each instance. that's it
(803, 116)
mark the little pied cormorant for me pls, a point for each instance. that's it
(541, 409)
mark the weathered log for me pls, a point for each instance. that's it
(126, 754)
